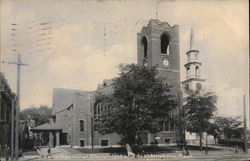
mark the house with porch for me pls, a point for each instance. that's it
(72, 122)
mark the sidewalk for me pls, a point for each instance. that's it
(226, 153)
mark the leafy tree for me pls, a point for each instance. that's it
(140, 102)
(40, 114)
(198, 110)
(229, 126)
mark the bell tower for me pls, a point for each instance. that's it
(193, 66)
(158, 45)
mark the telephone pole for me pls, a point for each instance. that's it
(18, 63)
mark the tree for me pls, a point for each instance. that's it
(40, 115)
(198, 110)
(140, 102)
(229, 126)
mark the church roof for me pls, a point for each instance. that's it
(63, 98)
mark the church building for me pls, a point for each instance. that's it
(75, 112)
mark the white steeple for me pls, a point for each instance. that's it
(193, 65)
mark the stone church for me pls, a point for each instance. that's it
(74, 112)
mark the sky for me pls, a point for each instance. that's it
(76, 44)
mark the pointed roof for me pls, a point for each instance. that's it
(191, 45)
(64, 98)
(191, 38)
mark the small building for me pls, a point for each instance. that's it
(72, 123)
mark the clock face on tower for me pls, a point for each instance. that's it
(186, 87)
(165, 62)
(198, 86)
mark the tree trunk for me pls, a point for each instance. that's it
(200, 140)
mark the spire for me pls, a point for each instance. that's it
(191, 38)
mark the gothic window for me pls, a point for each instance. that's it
(168, 125)
(81, 125)
(97, 110)
(164, 44)
(145, 46)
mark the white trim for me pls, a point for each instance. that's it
(81, 119)
(176, 71)
(168, 131)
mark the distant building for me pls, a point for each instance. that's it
(75, 112)
(7, 104)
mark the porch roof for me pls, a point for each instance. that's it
(46, 127)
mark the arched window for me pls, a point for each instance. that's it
(164, 44)
(197, 71)
(98, 110)
(188, 71)
(81, 125)
(145, 45)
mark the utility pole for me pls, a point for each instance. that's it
(92, 123)
(0, 38)
(13, 105)
(245, 124)
(18, 64)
